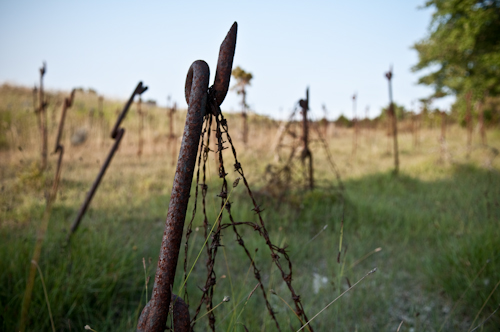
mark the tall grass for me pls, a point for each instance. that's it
(436, 224)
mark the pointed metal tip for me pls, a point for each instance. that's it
(225, 64)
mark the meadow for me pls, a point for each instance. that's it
(431, 231)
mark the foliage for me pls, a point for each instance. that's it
(243, 80)
(342, 121)
(242, 77)
(401, 112)
(462, 49)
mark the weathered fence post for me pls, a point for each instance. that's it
(154, 315)
(116, 134)
(42, 118)
(306, 152)
(392, 113)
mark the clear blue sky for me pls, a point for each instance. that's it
(335, 47)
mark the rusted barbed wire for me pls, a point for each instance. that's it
(329, 157)
(116, 134)
(281, 177)
(155, 313)
(204, 116)
(223, 137)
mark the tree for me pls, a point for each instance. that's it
(243, 79)
(462, 49)
(342, 121)
(400, 110)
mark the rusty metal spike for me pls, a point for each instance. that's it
(139, 89)
(225, 64)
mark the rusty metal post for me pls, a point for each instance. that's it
(139, 90)
(93, 189)
(42, 118)
(306, 152)
(66, 104)
(392, 111)
(154, 315)
(117, 134)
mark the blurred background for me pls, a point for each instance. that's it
(336, 48)
(345, 178)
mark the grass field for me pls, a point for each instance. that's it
(429, 231)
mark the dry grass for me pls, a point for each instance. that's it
(435, 224)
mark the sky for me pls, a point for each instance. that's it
(336, 48)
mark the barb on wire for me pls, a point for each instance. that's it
(223, 137)
(117, 134)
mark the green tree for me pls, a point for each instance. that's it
(342, 121)
(243, 79)
(462, 50)
(401, 112)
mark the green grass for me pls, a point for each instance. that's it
(435, 235)
(437, 225)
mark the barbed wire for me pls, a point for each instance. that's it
(277, 253)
